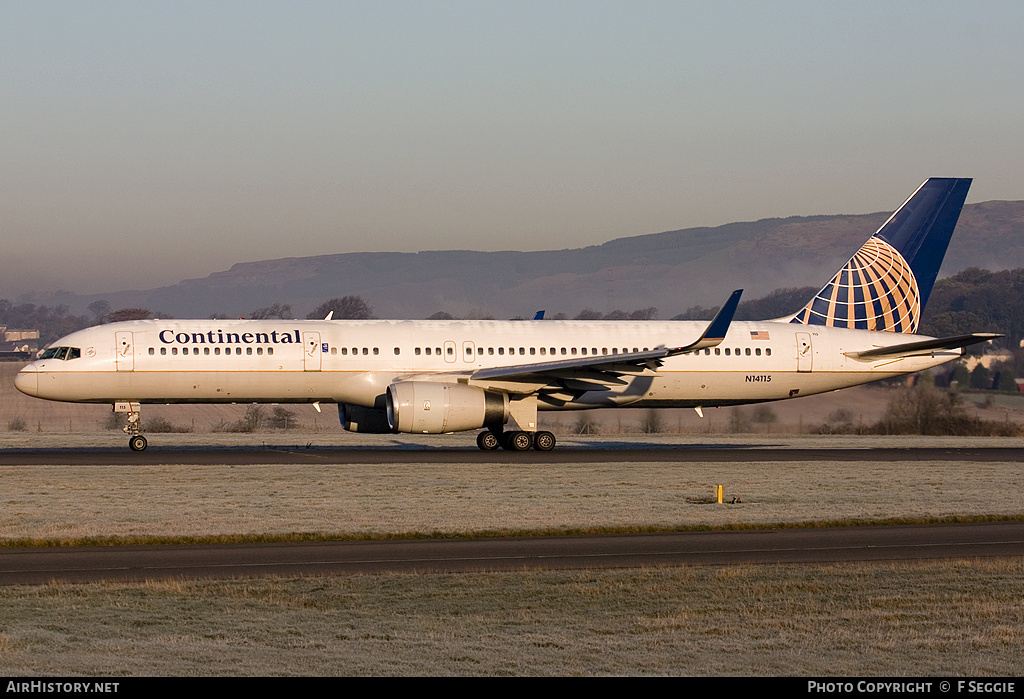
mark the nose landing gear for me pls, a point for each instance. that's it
(136, 442)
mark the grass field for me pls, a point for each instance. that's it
(931, 618)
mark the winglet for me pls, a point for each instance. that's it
(539, 315)
(716, 330)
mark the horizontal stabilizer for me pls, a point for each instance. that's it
(910, 349)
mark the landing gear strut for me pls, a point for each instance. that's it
(515, 440)
(136, 442)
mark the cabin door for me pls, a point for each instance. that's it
(124, 351)
(804, 352)
(312, 353)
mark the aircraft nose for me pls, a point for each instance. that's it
(27, 381)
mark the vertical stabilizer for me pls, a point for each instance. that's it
(886, 284)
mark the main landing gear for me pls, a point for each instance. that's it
(515, 441)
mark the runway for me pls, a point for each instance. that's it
(762, 546)
(607, 452)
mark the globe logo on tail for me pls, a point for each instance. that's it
(876, 290)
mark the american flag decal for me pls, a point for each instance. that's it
(759, 335)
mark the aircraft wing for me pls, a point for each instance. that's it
(924, 347)
(606, 367)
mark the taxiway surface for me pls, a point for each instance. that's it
(608, 452)
(772, 546)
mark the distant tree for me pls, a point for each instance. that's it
(980, 377)
(276, 311)
(588, 314)
(345, 308)
(1005, 380)
(777, 304)
(282, 419)
(441, 315)
(697, 313)
(652, 422)
(649, 313)
(129, 314)
(100, 310)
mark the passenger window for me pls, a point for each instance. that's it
(747, 351)
(206, 350)
(163, 350)
(428, 351)
(259, 351)
(216, 350)
(522, 350)
(501, 351)
(238, 350)
(718, 351)
(758, 351)
(152, 351)
(416, 351)
(451, 351)
(727, 352)
(768, 351)
(334, 350)
(248, 350)
(584, 350)
(270, 350)
(490, 350)
(375, 351)
(174, 350)
(533, 350)
(366, 350)
(397, 351)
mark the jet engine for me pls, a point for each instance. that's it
(356, 418)
(433, 408)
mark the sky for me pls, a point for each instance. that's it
(142, 143)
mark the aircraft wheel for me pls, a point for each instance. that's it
(138, 443)
(518, 441)
(544, 441)
(487, 440)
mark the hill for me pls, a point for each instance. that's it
(673, 271)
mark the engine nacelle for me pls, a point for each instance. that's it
(432, 408)
(356, 418)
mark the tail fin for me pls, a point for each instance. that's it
(887, 283)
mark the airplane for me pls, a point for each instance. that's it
(441, 376)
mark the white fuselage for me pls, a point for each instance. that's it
(353, 362)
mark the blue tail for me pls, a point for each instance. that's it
(886, 285)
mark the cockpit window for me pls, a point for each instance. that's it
(61, 353)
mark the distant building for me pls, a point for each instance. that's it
(18, 344)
